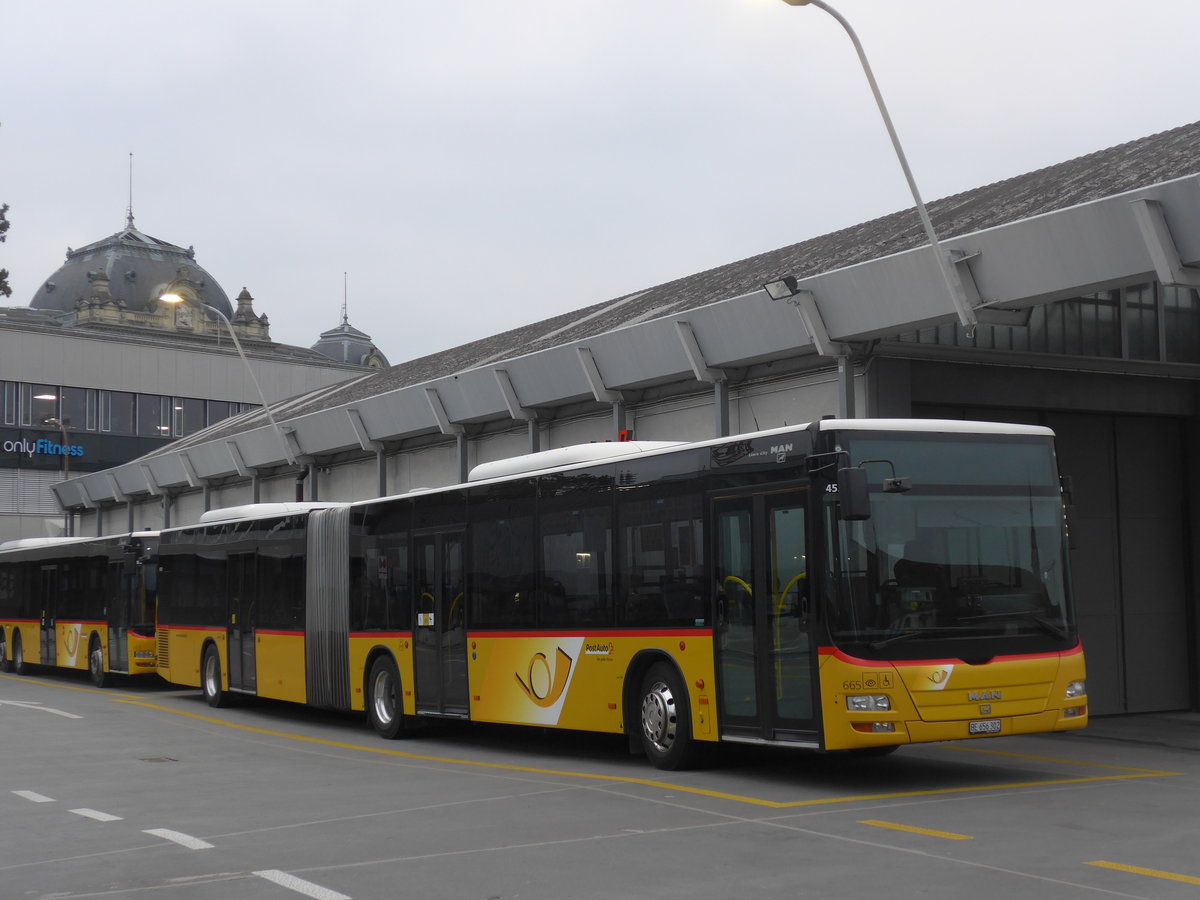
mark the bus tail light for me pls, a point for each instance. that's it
(874, 727)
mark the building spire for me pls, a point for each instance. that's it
(345, 315)
(129, 209)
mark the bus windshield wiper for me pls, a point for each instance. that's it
(894, 639)
(1041, 621)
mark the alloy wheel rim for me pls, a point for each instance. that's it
(658, 716)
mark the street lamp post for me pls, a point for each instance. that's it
(171, 297)
(966, 315)
(61, 424)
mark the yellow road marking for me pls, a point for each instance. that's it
(384, 750)
(895, 826)
(1152, 873)
(1055, 759)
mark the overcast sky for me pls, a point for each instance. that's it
(474, 165)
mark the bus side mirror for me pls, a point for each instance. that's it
(853, 500)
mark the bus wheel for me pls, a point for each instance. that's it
(19, 665)
(210, 678)
(666, 722)
(5, 664)
(96, 663)
(384, 706)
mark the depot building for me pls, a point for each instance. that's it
(1072, 302)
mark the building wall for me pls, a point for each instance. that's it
(1131, 520)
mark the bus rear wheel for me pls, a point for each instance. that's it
(665, 719)
(385, 709)
(5, 663)
(19, 665)
(96, 663)
(210, 678)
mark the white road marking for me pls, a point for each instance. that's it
(97, 815)
(33, 704)
(300, 886)
(185, 840)
(34, 796)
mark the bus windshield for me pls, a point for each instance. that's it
(970, 563)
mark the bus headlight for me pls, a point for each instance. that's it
(1076, 689)
(869, 703)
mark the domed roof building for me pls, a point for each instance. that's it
(131, 269)
(349, 345)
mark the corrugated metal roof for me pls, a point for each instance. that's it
(1153, 160)
(1150, 160)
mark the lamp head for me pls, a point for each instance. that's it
(170, 297)
(782, 288)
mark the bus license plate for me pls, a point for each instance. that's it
(984, 726)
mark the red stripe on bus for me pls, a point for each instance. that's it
(950, 660)
(594, 633)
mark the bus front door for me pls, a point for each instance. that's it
(439, 634)
(241, 635)
(766, 666)
(47, 594)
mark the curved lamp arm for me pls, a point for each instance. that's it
(179, 298)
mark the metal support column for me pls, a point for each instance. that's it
(845, 377)
(463, 446)
(721, 408)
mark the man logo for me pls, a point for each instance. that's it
(541, 685)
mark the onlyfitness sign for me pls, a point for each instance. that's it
(41, 447)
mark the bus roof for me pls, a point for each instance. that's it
(265, 510)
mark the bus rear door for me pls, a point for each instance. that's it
(242, 616)
(439, 635)
(766, 667)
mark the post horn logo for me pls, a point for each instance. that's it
(541, 685)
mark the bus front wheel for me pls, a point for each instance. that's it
(384, 706)
(665, 719)
(96, 663)
(210, 678)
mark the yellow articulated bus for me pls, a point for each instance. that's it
(79, 603)
(852, 585)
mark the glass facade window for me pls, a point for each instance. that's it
(39, 403)
(188, 415)
(84, 409)
(1141, 322)
(1144, 322)
(11, 402)
(117, 413)
(218, 410)
(1181, 323)
(79, 408)
(153, 416)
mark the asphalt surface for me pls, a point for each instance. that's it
(143, 791)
